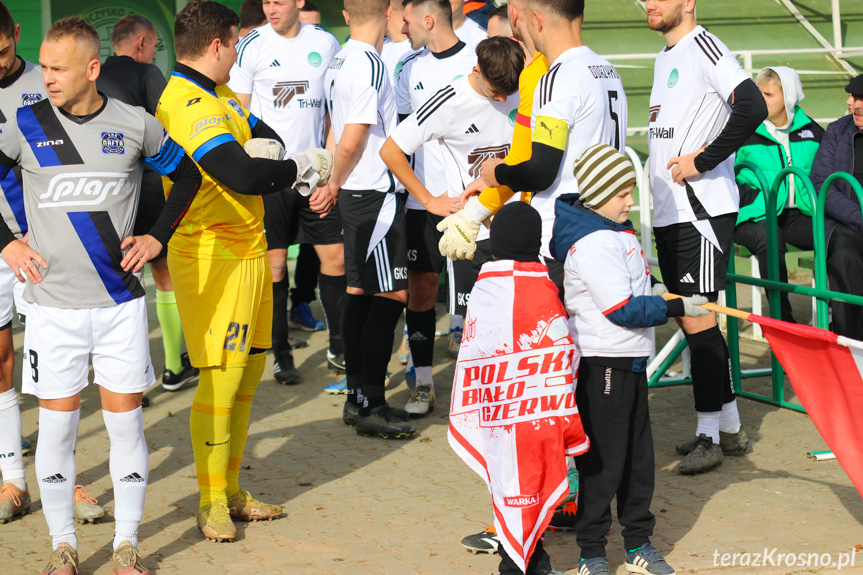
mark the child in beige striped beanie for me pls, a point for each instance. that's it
(606, 179)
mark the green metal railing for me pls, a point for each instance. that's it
(773, 285)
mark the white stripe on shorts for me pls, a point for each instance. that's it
(382, 266)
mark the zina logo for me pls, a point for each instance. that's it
(284, 92)
(479, 155)
(83, 189)
(49, 143)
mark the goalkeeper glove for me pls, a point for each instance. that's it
(264, 148)
(313, 169)
(461, 229)
(692, 306)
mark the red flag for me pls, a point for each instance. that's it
(826, 371)
(513, 416)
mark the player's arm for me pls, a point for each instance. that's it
(539, 172)
(748, 110)
(19, 256)
(349, 150)
(245, 99)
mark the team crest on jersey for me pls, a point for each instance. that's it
(284, 92)
(314, 59)
(113, 143)
(672, 78)
(513, 116)
(30, 99)
(479, 155)
(236, 106)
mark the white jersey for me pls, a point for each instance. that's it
(471, 33)
(359, 92)
(689, 107)
(467, 129)
(285, 77)
(421, 76)
(584, 91)
(602, 271)
(393, 54)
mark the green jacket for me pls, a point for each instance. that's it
(764, 151)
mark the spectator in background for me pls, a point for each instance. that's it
(842, 151)
(310, 13)
(498, 23)
(788, 137)
(480, 11)
(130, 76)
(251, 16)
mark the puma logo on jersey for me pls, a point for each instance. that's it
(83, 189)
(479, 155)
(547, 128)
(49, 143)
(284, 92)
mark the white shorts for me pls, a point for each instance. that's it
(11, 290)
(58, 344)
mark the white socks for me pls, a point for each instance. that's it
(130, 469)
(11, 462)
(729, 421)
(708, 424)
(424, 376)
(55, 472)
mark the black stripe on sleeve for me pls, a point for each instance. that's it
(435, 102)
(50, 124)
(707, 51)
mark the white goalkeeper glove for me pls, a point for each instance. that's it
(264, 148)
(461, 229)
(692, 306)
(659, 289)
(313, 169)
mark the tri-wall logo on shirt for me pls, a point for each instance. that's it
(113, 143)
(479, 155)
(285, 92)
(83, 188)
(30, 98)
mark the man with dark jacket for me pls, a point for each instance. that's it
(842, 151)
(788, 137)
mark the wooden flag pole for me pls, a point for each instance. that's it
(713, 307)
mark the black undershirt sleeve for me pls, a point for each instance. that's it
(748, 110)
(232, 166)
(187, 182)
(262, 130)
(536, 174)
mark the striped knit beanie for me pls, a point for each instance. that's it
(602, 172)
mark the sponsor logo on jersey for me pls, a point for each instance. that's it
(314, 59)
(49, 143)
(113, 143)
(513, 116)
(236, 106)
(83, 188)
(673, 77)
(192, 102)
(653, 113)
(30, 99)
(206, 123)
(661, 133)
(284, 92)
(479, 155)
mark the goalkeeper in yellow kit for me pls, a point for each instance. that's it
(218, 255)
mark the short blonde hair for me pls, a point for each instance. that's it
(362, 11)
(83, 33)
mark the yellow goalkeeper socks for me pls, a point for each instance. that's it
(240, 417)
(210, 428)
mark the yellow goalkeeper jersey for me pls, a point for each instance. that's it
(220, 224)
(520, 151)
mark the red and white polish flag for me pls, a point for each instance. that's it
(513, 416)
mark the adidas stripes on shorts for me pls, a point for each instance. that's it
(689, 262)
(58, 343)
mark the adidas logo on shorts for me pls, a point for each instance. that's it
(687, 279)
(132, 478)
(57, 478)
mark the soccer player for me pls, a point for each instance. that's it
(363, 113)
(466, 28)
(427, 23)
(498, 22)
(84, 268)
(279, 75)
(469, 122)
(130, 76)
(310, 13)
(703, 107)
(251, 16)
(218, 257)
(396, 46)
(578, 103)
